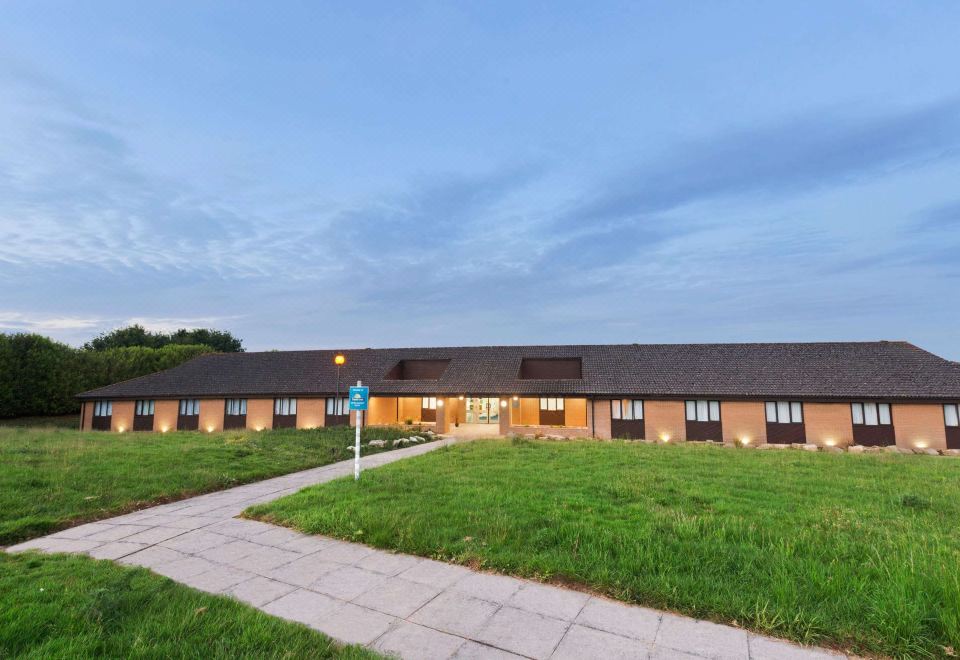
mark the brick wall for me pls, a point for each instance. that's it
(665, 419)
(122, 419)
(165, 413)
(211, 415)
(259, 414)
(828, 423)
(600, 421)
(919, 425)
(744, 420)
(310, 413)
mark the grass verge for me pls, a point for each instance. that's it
(61, 606)
(857, 552)
(51, 479)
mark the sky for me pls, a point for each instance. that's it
(334, 175)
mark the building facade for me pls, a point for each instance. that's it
(829, 394)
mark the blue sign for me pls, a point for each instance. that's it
(359, 397)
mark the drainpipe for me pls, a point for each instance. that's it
(593, 417)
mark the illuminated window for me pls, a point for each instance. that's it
(551, 404)
(702, 410)
(626, 409)
(951, 413)
(285, 406)
(429, 403)
(339, 406)
(784, 412)
(871, 414)
(189, 407)
(236, 406)
(144, 407)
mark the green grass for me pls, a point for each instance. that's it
(860, 552)
(62, 606)
(53, 478)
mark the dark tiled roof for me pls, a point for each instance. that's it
(892, 370)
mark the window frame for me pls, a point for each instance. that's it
(956, 415)
(285, 406)
(555, 401)
(792, 408)
(878, 408)
(617, 407)
(710, 405)
(428, 403)
(330, 406)
(144, 407)
(103, 408)
(241, 406)
(189, 407)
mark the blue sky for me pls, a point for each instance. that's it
(387, 174)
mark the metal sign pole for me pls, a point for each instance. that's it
(356, 451)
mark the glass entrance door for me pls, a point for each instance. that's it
(483, 410)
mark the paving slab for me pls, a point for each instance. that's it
(217, 579)
(347, 582)
(522, 632)
(704, 638)
(476, 651)
(549, 601)
(258, 590)
(435, 573)
(303, 606)
(582, 642)
(116, 532)
(766, 648)
(397, 597)
(629, 621)
(195, 541)
(152, 556)
(486, 586)
(304, 571)
(387, 563)
(116, 550)
(154, 535)
(456, 613)
(408, 640)
(354, 624)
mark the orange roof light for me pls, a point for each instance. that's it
(339, 359)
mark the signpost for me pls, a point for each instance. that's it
(359, 396)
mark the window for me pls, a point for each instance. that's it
(102, 408)
(285, 406)
(551, 404)
(784, 412)
(429, 403)
(627, 409)
(144, 407)
(951, 413)
(342, 409)
(871, 414)
(189, 407)
(702, 410)
(236, 407)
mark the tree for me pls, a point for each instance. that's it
(136, 335)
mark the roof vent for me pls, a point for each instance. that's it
(417, 370)
(550, 368)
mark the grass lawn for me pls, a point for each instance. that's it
(861, 552)
(60, 606)
(54, 478)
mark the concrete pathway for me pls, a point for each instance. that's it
(397, 604)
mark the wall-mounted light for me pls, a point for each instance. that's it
(516, 398)
(439, 403)
(503, 403)
(460, 397)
